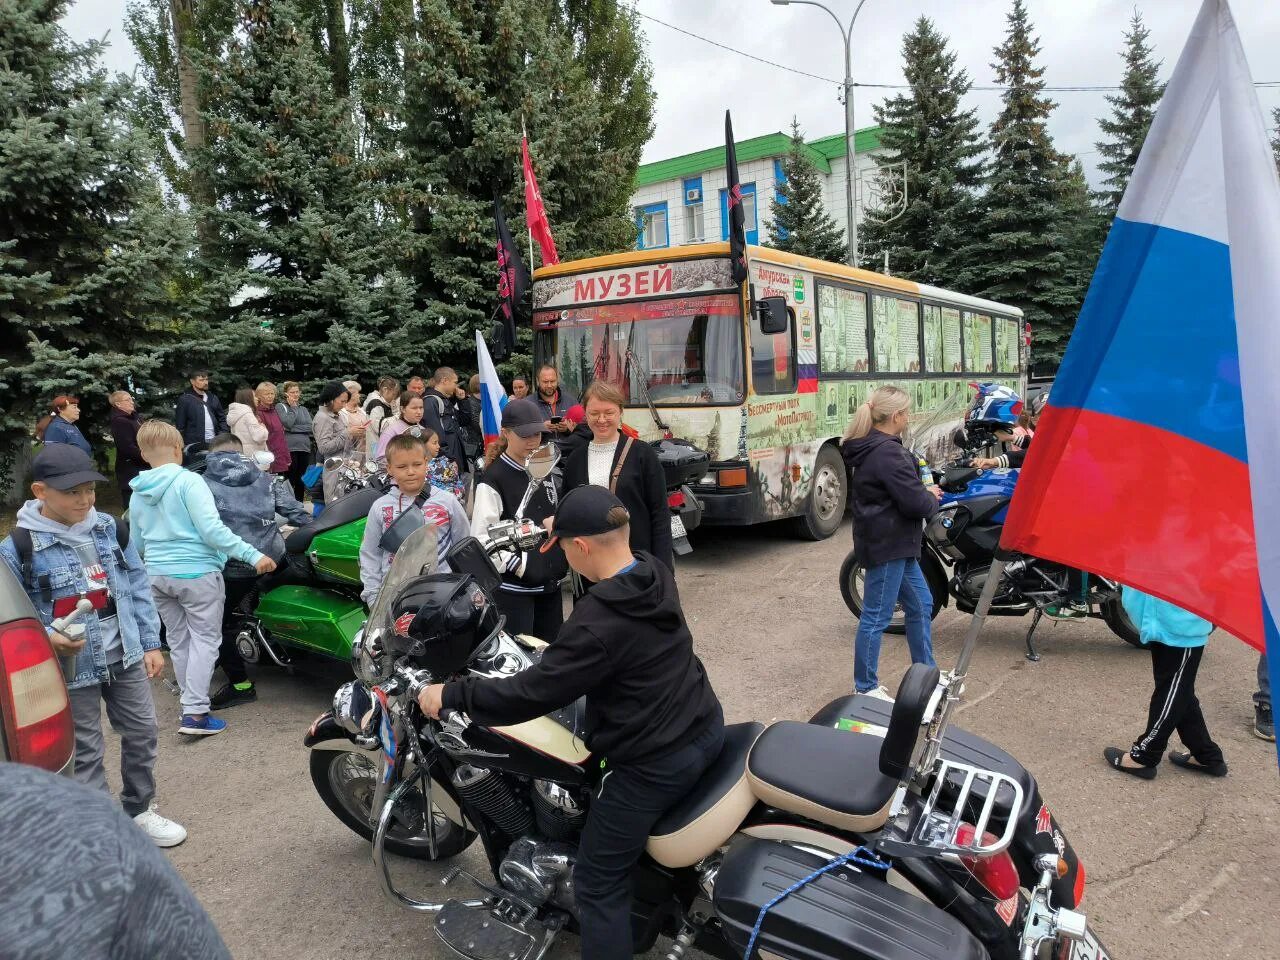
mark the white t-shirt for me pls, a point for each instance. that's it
(208, 417)
(600, 462)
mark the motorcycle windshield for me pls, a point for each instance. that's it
(416, 556)
(932, 435)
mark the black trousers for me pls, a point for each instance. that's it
(298, 463)
(1174, 707)
(628, 802)
(537, 614)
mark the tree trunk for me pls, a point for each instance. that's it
(190, 105)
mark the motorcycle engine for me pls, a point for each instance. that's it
(539, 872)
(969, 585)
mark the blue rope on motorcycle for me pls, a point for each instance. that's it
(861, 856)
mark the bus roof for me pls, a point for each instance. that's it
(696, 251)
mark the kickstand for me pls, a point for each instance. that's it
(1032, 655)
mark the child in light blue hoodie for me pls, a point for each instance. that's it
(1176, 639)
(185, 545)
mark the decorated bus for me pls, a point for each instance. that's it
(764, 375)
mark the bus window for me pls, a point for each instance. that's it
(933, 348)
(977, 343)
(842, 330)
(1007, 341)
(896, 334)
(951, 362)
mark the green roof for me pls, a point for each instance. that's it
(821, 152)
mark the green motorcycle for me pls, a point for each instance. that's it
(312, 602)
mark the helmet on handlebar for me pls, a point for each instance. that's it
(995, 406)
(440, 620)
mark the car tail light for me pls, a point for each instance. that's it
(675, 500)
(33, 697)
(996, 873)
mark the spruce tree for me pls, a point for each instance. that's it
(308, 286)
(1085, 228)
(930, 130)
(1275, 135)
(1023, 247)
(87, 246)
(799, 221)
(1132, 111)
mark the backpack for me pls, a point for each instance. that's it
(24, 547)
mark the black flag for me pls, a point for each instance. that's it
(733, 199)
(513, 284)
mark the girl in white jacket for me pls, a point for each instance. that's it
(242, 418)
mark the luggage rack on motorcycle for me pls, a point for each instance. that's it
(930, 830)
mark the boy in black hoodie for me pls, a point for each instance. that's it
(652, 716)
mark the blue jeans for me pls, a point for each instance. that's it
(1263, 697)
(884, 585)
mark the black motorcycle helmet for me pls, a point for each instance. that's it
(440, 620)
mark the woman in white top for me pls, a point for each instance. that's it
(243, 419)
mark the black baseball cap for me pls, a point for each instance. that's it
(523, 417)
(584, 512)
(62, 466)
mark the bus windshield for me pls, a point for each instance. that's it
(682, 350)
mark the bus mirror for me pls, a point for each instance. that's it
(773, 315)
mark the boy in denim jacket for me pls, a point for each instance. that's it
(76, 552)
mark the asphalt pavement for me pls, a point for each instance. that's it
(1183, 866)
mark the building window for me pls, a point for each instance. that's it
(651, 225)
(748, 213)
(695, 227)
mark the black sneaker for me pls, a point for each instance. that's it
(1264, 724)
(229, 696)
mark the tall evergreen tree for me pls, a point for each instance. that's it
(1023, 246)
(1084, 224)
(87, 248)
(1275, 135)
(930, 130)
(309, 287)
(799, 221)
(1132, 111)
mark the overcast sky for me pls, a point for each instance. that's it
(695, 81)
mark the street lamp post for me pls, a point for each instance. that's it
(850, 147)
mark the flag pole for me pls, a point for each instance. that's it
(524, 137)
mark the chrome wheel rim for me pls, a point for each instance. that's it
(899, 617)
(353, 777)
(828, 485)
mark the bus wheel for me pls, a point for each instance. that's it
(828, 494)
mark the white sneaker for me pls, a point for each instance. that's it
(163, 831)
(880, 693)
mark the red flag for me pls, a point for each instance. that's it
(535, 212)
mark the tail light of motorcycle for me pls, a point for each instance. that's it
(997, 874)
(33, 697)
(1078, 890)
(675, 500)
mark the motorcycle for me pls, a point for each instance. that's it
(960, 543)
(887, 833)
(683, 464)
(355, 474)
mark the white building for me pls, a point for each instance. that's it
(682, 200)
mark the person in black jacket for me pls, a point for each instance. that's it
(641, 484)
(530, 594)
(889, 505)
(651, 714)
(124, 430)
(445, 407)
(199, 416)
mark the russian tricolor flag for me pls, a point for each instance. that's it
(1158, 460)
(492, 396)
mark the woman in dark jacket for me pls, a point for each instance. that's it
(296, 420)
(124, 430)
(640, 484)
(59, 424)
(889, 505)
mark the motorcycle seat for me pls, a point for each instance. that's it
(354, 506)
(708, 814)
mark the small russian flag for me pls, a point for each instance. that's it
(492, 396)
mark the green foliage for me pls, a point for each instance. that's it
(1132, 111)
(1023, 246)
(929, 129)
(1275, 135)
(88, 249)
(800, 223)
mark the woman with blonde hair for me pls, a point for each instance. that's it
(889, 506)
(265, 395)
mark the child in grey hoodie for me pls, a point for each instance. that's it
(248, 501)
(407, 464)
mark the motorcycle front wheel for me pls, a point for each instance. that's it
(346, 781)
(852, 581)
(1115, 617)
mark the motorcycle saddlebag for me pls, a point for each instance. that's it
(1037, 831)
(307, 617)
(841, 915)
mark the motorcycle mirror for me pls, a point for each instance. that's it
(539, 464)
(959, 437)
(332, 463)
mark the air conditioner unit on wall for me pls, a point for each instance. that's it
(692, 195)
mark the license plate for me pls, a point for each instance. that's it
(1090, 948)
(677, 526)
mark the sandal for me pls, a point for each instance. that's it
(1114, 755)
(1188, 762)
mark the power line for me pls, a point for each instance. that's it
(1076, 88)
